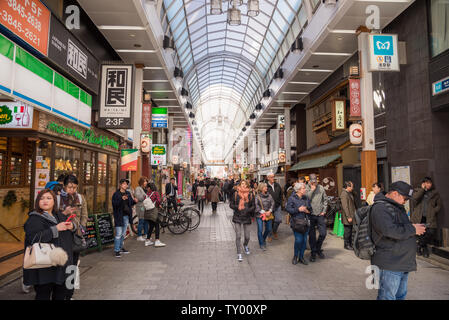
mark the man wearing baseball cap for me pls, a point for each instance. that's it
(395, 239)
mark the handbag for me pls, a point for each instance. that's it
(267, 217)
(300, 225)
(79, 242)
(148, 203)
(43, 255)
(152, 214)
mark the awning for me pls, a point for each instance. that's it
(314, 163)
(266, 171)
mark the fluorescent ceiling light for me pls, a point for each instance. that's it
(294, 93)
(153, 68)
(316, 70)
(155, 81)
(104, 27)
(165, 99)
(342, 31)
(303, 82)
(331, 54)
(160, 91)
(135, 51)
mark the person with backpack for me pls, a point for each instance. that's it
(348, 211)
(318, 198)
(299, 208)
(394, 236)
(264, 214)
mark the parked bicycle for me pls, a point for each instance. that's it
(190, 212)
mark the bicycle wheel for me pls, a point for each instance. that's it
(178, 223)
(135, 224)
(194, 217)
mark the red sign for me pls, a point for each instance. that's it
(29, 20)
(354, 97)
(146, 117)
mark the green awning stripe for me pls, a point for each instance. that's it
(6, 47)
(315, 163)
(67, 86)
(86, 98)
(29, 62)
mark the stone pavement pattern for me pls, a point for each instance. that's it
(202, 264)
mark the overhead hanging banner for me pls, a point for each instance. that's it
(129, 159)
(146, 117)
(354, 96)
(116, 96)
(65, 50)
(383, 52)
(27, 19)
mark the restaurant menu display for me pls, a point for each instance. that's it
(91, 233)
(29, 20)
(105, 228)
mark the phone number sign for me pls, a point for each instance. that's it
(29, 20)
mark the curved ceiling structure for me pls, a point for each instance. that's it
(228, 67)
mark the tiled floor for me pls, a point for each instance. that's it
(202, 264)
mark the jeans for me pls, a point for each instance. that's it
(300, 244)
(120, 234)
(318, 222)
(277, 219)
(260, 236)
(238, 235)
(201, 205)
(143, 224)
(392, 285)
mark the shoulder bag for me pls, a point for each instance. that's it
(300, 225)
(43, 255)
(265, 217)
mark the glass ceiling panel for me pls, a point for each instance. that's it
(226, 66)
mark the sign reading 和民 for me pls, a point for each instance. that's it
(116, 96)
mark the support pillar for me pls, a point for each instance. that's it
(137, 123)
(368, 156)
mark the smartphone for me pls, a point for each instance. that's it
(71, 217)
(79, 205)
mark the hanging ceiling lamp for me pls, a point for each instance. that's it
(259, 107)
(253, 8)
(216, 7)
(234, 15)
(191, 115)
(252, 116)
(189, 105)
(184, 93)
(247, 123)
(267, 94)
(178, 74)
(168, 44)
(297, 45)
(278, 74)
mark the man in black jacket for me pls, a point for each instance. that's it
(275, 190)
(395, 239)
(171, 191)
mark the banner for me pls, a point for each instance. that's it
(145, 142)
(354, 97)
(146, 117)
(71, 55)
(27, 19)
(129, 159)
(116, 96)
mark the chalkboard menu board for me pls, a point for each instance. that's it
(91, 233)
(105, 229)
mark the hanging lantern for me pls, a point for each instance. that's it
(216, 7)
(253, 8)
(234, 15)
(356, 133)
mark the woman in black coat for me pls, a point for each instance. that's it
(242, 202)
(47, 225)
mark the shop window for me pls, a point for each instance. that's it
(101, 199)
(15, 161)
(439, 35)
(67, 160)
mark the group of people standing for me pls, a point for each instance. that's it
(208, 191)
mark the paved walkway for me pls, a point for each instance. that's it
(202, 265)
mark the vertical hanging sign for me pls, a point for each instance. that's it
(116, 96)
(146, 117)
(354, 96)
(129, 159)
(339, 114)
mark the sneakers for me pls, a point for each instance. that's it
(148, 243)
(239, 257)
(117, 254)
(263, 247)
(246, 250)
(140, 238)
(295, 260)
(312, 258)
(124, 251)
(25, 288)
(303, 261)
(269, 239)
(275, 236)
(159, 244)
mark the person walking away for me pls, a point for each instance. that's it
(264, 214)
(242, 203)
(153, 220)
(171, 191)
(201, 193)
(71, 202)
(298, 206)
(122, 203)
(214, 191)
(426, 203)
(376, 188)
(48, 225)
(194, 191)
(225, 190)
(140, 194)
(395, 238)
(348, 212)
(275, 191)
(318, 201)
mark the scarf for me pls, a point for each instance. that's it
(243, 194)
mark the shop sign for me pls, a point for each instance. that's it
(16, 115)
(339, 115)
(282, 157)
(129, 159)
(86, 136)
(116, 96)
(146, 117)
(145, 142)
(159, 118)
(354, 97)
(383, 52)
(281, 121)
(159, 154)
(440, 86)
(70, 54)
(27, 19)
